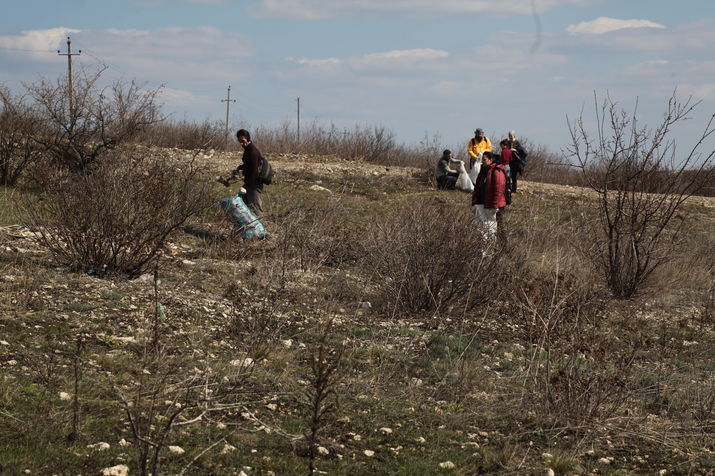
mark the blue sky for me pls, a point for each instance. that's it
(416, 67)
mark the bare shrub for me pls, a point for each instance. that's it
(81, 123)
(184, 135)
(579, 368)
(18, 124)
(624, 163)
(116, 217)
(428, 255)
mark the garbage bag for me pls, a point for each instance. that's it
(464, 182)
(475, 170)
(243, 218)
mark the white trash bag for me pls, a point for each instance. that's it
(475, 169)
(464, 182)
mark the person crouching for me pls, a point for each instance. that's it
(446, 177)
(488, 197)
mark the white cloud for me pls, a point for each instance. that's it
(317, 63)
(700, 92)
(325, 9)
(603, 25)
(182, 98)
(167, 55)
(38, 42)
(395, 60)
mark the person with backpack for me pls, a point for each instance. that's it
(518, 159)
(251, 168)
(478, 144)
(490, 195)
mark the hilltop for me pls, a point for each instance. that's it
(446, 360)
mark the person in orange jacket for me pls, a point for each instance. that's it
(478, 144)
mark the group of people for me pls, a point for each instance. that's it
(493, 175)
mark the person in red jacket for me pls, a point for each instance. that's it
(488, 197)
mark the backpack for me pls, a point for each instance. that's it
(518, 158)
(265, 172)
(507, 188)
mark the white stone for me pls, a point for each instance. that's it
(242, 362)
(323, 450)
(447, 465)
(64, 396)
(101, 446)
(177, 450)
(118, 470)
(369, 453)
(227, 449)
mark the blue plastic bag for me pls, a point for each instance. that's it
(243, 219)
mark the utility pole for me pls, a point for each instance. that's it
(298, 120)
(228, 102)
(69, 56)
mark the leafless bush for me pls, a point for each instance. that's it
(83, 121)
(184, 135)
(18, 124)
(361, 143)
(579, 369)
(622, 163)
(116, 216)
(428, 255)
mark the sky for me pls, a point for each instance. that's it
(432, 70)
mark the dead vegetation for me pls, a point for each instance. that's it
(449, 356)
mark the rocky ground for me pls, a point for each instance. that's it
(419, 392)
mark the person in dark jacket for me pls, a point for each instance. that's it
(250, 167)
(446, 177)
(488, 197)
(518, 159)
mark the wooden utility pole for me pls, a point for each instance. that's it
(228, 102)
(298, 120)
(69, 56)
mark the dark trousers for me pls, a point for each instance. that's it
(513, 171)
(253, 198)
(447, 182)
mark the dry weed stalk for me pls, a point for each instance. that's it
(321, 397)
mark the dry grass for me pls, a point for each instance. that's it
(487, 363)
